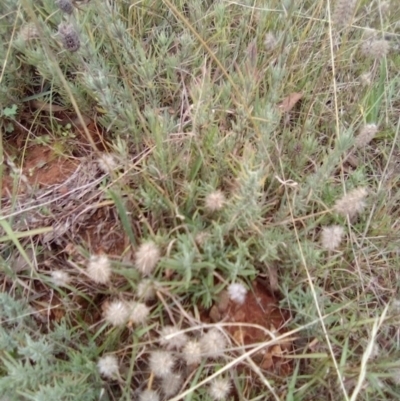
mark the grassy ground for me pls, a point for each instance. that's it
(161, 156)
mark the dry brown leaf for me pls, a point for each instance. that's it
(290, 101)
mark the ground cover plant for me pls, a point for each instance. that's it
(199, 200)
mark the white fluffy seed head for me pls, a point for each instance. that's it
(352, 203)
(161, 363)
(171, 384)
(376, 49)
(99, 269)
(192, 352)
(172, 338)
(270, 41)
(219, 388)
(237, 292)
(108, 366)
(331, 237)
(107, 162)
(396, 375)
(146, 290)
(366, 135)
(213, 343)
(29, 32)
(149, 395)
(138, 312)
(343, 12)
(215, 201)
(60, 278)
(147, 257)
(116, 313)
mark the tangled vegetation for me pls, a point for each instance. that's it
(199, 200)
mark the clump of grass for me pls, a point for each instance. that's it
(195, 184)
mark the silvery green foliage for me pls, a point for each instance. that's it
(246, 208)
(9, 84)
(40, 365)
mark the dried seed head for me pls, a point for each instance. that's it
(376, 49)
(213, 343)
(147, 257)
(65, 6)
(201, 238)
(146, 290)
(116, 313)
(28, 32)
(171, 384)
(192, 353)
(343, 12)
(99, 269)
(69, 37)
(219, 388)
(138, 312)
(366, 79)
(384, 8)
(161, 363)
(331, 237)
(366, 135)
(107, 162)
(60, 278)
(396, 375)
(270, 41)
(108, 366)
(352, 203)
(149, 395)
(172, 338)
(237, 292)
(215, 201)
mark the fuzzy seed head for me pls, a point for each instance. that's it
(215, 201)
(99, 269)
(65, 6)
(366, 79)
(60, 278)
(201, 238)
(28, 32)
(366, 135)
(396, 375)
(147, 257)
(270, 41)
(343, 12)
(237, 293)
(107, 163)
(171, 384)
(139, 312)
(376, 49)
(352, 203)
(69, 37)
(384, 8)
(149, 395)
(146, 290)
(213, 343)
(331, 237)
(219, 388)
(192, 353)
(161, 363)
(172, 338)
(108, 366)
(117, 313)
(395, 306)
